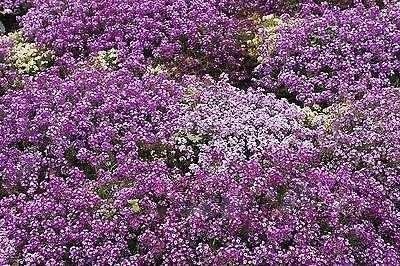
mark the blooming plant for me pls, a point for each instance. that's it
(199, 132)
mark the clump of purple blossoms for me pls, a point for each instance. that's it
(329, 55)
(185, 37)
(87, 136)
(363, 135)
(112, 155)
(13, 6)
(231, 125)
(80, 124)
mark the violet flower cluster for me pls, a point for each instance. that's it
(183, 36)
(328, 55)
(260, 132)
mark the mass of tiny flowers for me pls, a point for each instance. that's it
(185, 132)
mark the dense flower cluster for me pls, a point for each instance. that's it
(260, 132)
(188, 37)
(363, 135)
(328, 55)
(13, 6)
(234, 126)
(84, 136)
